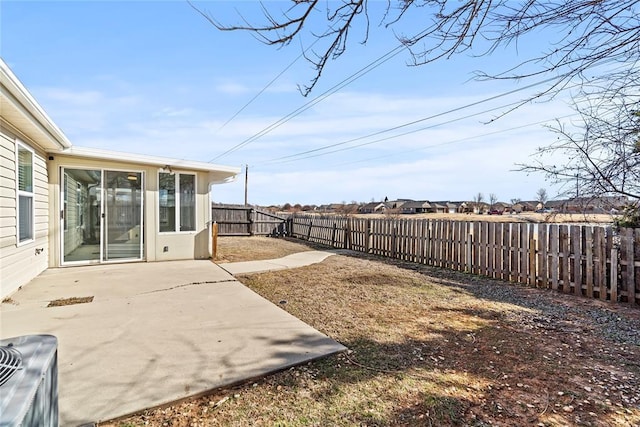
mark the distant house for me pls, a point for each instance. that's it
(501, 207)
(397, 204)
(464, 207)
(602, 204)
(415, 207)
(526, 206)
(350, 208)
(452, 207)
(373, 207)
(336, 207)
(437, 207)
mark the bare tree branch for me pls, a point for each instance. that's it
(590, 35)
(598, 156)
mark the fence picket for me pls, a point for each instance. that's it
(629, 280)
(589, 262)
(506, 259)
(611, 266)
(543, 257)
(564, 258)
(482, 238)
(532, 269)
(468, 247)
(576, 240)
(476, 248)
(600, 263)
(613, 290)
(554, 240)
(523, 253)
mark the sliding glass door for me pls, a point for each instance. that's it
(123, 215)
(101, 217)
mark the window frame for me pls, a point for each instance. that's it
(178, 202)
(23, 193)
(65, 200)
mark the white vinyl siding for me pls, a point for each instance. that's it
(21, 261)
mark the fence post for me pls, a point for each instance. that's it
(533, 255)
(347, 233)
(394, 232)
(333, 234)
(628, 241)
(468, 233)
(310, 227)
(214, 240)
(613, 279)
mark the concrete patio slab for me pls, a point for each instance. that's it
(155, 333)
(299, 259)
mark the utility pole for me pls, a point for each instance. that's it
(246, 184)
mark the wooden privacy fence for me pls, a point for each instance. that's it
(234, 220)
(592, 261)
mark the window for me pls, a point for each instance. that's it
(25, 194)
(177, 202)
(65, 210)
(187, 202)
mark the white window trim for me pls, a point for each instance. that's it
(65, 200)
(32, 194)
(177, 202)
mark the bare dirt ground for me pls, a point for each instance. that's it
(431, 347)
(235, 249)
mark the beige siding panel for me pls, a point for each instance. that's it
(8, 227)
(6, 170)
(19, 267)
(19, 263)
(6, 156)
(8, 239)
(9, 203)
(6, 151)
(9, 193)
(6, 145)
(7, 213)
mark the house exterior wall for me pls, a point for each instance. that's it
(179, 245)
(21, 262)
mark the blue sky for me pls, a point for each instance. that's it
(156, 78)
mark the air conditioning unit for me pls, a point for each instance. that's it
(29, 381)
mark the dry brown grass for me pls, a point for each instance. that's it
(235, 249)
(430, 347)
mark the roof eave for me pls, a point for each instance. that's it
(20, 110)
(220, 172)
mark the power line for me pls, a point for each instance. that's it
(453, 110)
(456, 141)
(237, 113)
(302, 55)
(353, 77)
